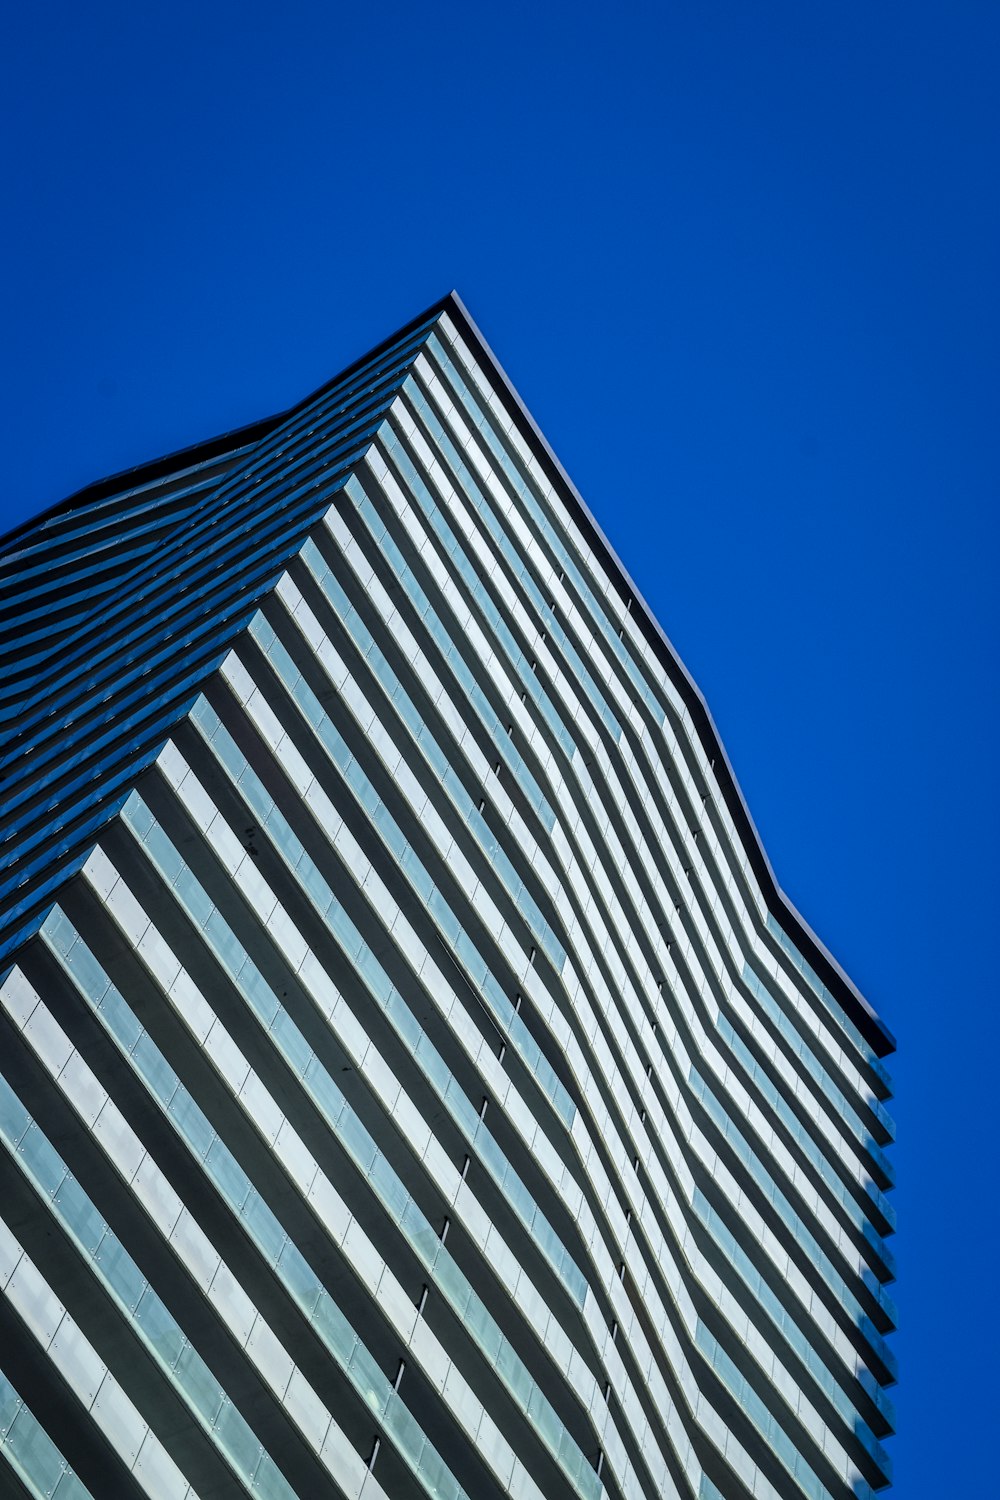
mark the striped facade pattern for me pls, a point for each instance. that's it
(412, 1081)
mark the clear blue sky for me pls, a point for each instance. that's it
(742, 262)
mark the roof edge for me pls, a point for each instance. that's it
(207, 448)
(857, 1007)
(864, 1016)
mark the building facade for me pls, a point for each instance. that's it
(412, 1080)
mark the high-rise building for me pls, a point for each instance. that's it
(413, 1081)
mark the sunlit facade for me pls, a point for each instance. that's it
(412, 1080)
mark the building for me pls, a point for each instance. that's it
(412, 1080)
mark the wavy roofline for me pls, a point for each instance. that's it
(858, 1009)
